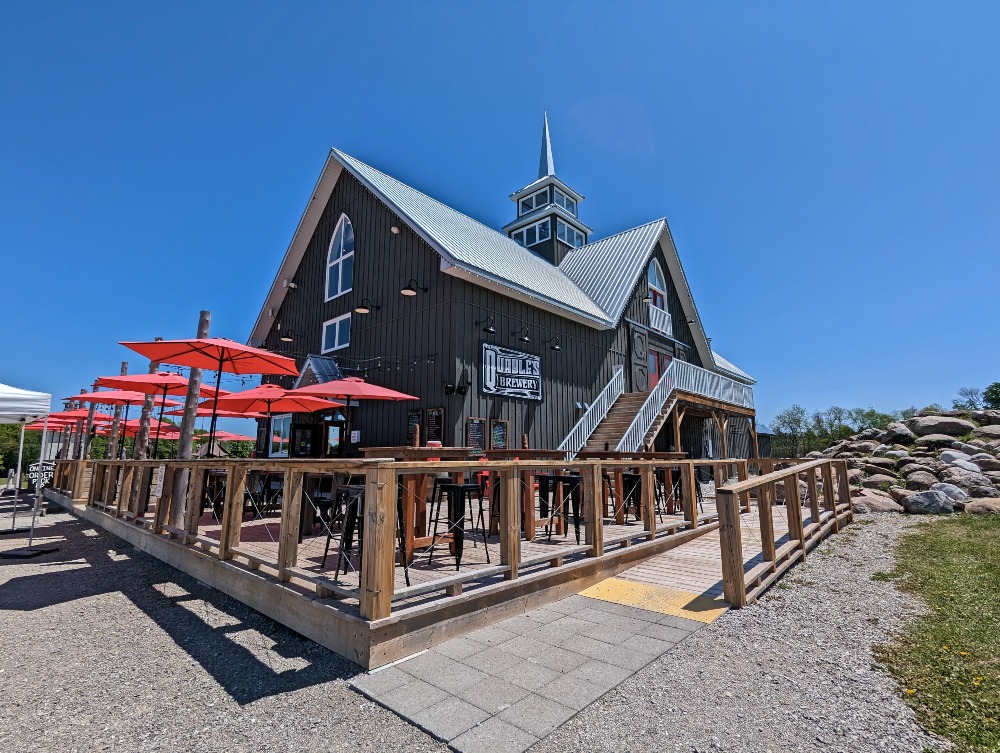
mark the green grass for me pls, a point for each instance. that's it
(948, 662)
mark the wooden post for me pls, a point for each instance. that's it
(742, 474)
(594, 514)
(668, 489)
(528, 504)
(377, 565)
(510, 523)
(184, 448)
(232, 511)
(288, 534)
(649, 500)
(829, 500)
(793, 510)
(191, 502)
(112, 450)
(813, 495)
(618, 494)
(141, 440)
(164, 503)
(765, 495)
(96, 481)
(753, 433)
(844, 489)
(126, 491)
(689, 493)
(730, 536)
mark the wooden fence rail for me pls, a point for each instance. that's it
(829, 505)
(521, 537)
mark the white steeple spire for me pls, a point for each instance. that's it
(546, 165)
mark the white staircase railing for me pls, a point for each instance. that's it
(596, 413)
(684, 376)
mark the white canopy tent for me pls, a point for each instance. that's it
(19, 406)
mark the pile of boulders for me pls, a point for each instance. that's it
(934, 463)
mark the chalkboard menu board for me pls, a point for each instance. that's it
(435, 424)
(413, 419)
(475, 433)
(498, 434)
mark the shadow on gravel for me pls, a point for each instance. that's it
(248, 654)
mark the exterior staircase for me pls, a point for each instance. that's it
(616, 423)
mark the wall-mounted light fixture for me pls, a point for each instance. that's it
(648, 298)
(488, 329)
(462, 389)
(555, 343)
(411, 288)
(449, 388)
(286, 283)
(524, 337)
(288, 336)
(689, 320)
(365, 307)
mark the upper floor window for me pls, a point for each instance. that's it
(565, 202)
(529, 236)
(568, 234)
(535, 201)
(657, 285)
(337, 333)
(340, 259)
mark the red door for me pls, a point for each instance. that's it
(657, 365)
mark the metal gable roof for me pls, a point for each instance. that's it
(467, 243)
(735, 371)
(607, 270)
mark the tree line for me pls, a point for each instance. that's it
(797, 432)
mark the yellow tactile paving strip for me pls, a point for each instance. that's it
(658, 599)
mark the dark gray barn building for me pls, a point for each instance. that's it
(536, 329)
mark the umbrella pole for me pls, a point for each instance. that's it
(156, 441)
(215, 406)
(17, 478)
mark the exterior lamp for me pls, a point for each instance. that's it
(412, 288)
(555, 344)
(488, 329)
(365, 307)
(288, 337)
(523, 338)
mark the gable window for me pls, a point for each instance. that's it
(535, 201)
(565, 202)
(657, 286)
(281, 427)
(340, 259)
(337, 333)
(529, 236)
(568, 234)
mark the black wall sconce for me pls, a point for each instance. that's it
(365, 307)
(411, 288)
(488, 329)
(524, 337)
(555, 343)
(462, 389)
(449, 388)
(288, 336)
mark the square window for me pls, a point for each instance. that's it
(543, 231)
(337, 333)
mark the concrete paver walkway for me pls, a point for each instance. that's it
(502, 688)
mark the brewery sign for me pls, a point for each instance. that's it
(510, 373)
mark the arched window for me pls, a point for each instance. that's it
(657, 286)
(340, 259)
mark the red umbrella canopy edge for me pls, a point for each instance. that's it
(215, 354)
(353, 388)
(119, 397)
(155, 384)
(270, 398)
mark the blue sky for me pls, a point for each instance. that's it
(831, 172)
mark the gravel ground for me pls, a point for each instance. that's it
(107, 649)
(792, 673)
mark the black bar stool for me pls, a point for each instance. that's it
(458, 495)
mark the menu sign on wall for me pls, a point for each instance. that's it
(475, 433)
(511, 373)
(435, 424)
(498, 434)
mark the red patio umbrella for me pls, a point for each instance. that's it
(270, 398)
(78, 413)
(162, 382)
(120, 397)
(352, 388)
(228, 436)
(216, 354)
(205, 410)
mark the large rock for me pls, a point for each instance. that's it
(898, 433)
(953, 492)
(935, 440)
(873, 503)
(986, 417)
(965, 465)
(887, 463)
(974, 484)
(920, 480)
(950, 456)
(928, 503)
(994, 477)
(923, 426)
(897, 454)
(983, 507)
(898, 493)
(967, 447)
(868, 434)
(854, 476)
(879, 481)
(987, 432)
